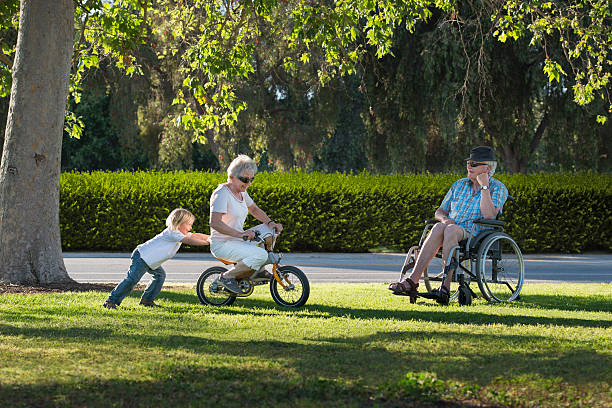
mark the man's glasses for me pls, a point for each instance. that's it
(476, 164)
(246, 179)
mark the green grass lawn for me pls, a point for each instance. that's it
(351, 345)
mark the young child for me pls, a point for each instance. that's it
(149, 256)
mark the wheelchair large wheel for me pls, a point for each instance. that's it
(501, 269)
(296, 290)
(209, 292)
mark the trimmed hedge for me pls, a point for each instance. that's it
(115, 211)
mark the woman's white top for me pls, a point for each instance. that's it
(161, 247)
(234, 211)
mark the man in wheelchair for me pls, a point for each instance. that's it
(478, 195)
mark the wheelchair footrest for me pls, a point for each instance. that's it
(402, 294)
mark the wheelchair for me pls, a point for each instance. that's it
(492, 259)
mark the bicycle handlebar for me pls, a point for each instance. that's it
(256, 238)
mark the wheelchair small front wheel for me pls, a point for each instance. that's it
(209, 292)
(501, 269)
(296, 287)
(464, 296)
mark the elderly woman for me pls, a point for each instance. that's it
(229, 206)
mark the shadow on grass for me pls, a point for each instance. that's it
(196, 386)
(595, 303)
(439, 314)
(367, 358)
(51, 333)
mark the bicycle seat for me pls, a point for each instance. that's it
(225, 262)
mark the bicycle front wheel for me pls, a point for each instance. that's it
(295, 289)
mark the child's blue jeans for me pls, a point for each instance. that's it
(138, 268)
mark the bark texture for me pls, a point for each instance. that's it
(30, 241)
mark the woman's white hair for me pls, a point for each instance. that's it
(493, 165)
(240, 164)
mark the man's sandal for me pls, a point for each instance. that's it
(405, 288)
(440, 295)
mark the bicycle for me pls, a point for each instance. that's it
(289, 286)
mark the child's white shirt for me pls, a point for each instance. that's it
(161, 247)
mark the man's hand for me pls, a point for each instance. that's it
(483, 179)
(448, 221)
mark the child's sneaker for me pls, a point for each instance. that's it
(148, 303)
(109, 305)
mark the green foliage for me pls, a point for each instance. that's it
(584, 34)
(94, 147)
(8, 40)
(560, 212)
(333, 212)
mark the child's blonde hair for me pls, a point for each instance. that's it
(177, 217)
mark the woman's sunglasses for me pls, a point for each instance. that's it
(246, 179)
(476, 164)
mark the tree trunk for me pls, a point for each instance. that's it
(30, 245)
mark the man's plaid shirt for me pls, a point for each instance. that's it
(463, 204)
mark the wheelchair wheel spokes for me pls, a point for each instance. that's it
(296, 287)
(209, 292)
(501, 269)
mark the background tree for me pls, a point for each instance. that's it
(29, 174)
(451, 84)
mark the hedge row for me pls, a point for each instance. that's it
(105, 211)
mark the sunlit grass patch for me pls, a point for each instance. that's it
(351, 345)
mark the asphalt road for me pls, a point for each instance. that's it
(335, 267)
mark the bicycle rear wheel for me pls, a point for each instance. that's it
(209, 292)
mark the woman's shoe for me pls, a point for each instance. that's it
(405, 288)
(263, 275)
(230, 284)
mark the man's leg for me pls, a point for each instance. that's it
(452, 235)
(240, 270)
(430, 248)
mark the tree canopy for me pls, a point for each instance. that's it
(289, 60)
